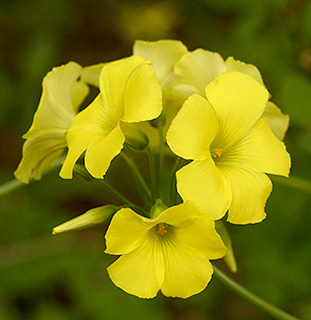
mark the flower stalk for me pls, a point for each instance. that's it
(265, 306)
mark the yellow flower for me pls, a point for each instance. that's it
(170, 252)
(196, 69)
(129, 92)
(62, 94)
(231, 149)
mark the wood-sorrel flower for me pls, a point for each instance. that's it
(129, 92)
(170, 252)
(231, 149)
(62, 95)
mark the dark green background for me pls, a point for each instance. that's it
(64, 277)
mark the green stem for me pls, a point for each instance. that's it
(115, 193)
(153, 175)
(294, 182)
(172, 181)
(15, 184)
(141, 184)
(265, 306)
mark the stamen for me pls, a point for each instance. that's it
(162, 230)
(217, 152)
(116, 124)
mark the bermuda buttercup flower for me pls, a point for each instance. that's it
(231, 149)
(62, 94)
(169, 252)
(129, 92)
(196, 69)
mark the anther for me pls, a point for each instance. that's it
(162, 229)
(218, 152)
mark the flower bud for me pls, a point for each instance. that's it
(90, 218)
(134, 137)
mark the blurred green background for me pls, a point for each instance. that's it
(63, 277)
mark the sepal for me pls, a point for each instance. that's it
(134, 137)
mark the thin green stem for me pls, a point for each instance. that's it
(141, 184)
(265, 306)
(115, 193)
(172, 180)
(15, 184)
(294, 182)
(153, 175)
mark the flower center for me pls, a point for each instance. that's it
(216, 152)
(161, 228)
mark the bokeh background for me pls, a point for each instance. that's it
(64, 277)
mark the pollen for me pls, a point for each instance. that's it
(217, 152)
(162, 230)
(116, 124)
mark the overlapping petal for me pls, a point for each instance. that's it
(99, 154)
(140, 272)
(239, 101)
(61, 97)
(236, 65)
(163, 55)
(203, 183)
(90, 125)
(278, 121)
(142, 95)
(193, 118)
(129, 225)
(113, 80)
(185, 274)
(260, 150)
(193, 235)
(198, 68)
(250, 191)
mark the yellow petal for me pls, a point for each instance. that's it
(203, 183)
(239, 101)
(79, 92)
(56, 109)
(112, 82)
(198, 68)
(99, 154)
(260, 150)
(90, 125)
(201, 238)
(185, 274)
(140, 272)
(90, 74)
(163, 54)
(250, 191)
(278, 121)
(126, 232)
(188, 135)
(39, 152)
(237, 65)
(178, 215)
(142, 95)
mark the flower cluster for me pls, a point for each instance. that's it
(220, 127)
